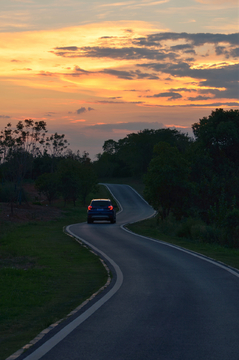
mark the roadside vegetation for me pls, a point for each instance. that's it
(44, 274)
(176, 233)
(194, 180)
(192, 183)
(189, 233)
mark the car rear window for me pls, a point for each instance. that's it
(100, 203)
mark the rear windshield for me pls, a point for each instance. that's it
(100, 203)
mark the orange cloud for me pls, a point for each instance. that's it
(123, 68)
(76, 121)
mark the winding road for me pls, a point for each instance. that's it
(164, 303)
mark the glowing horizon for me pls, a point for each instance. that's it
(85, 77)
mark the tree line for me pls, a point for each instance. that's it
(27, 152)
(194, 180)
(186, 178)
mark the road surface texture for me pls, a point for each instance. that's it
(162, 304)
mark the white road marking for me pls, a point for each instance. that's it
(190, 252)
(49, 344)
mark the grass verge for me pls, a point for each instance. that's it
(44, 275)
(150, 228)
(165, 233)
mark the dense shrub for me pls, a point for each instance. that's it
(8, 192)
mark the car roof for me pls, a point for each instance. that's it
(100, 200)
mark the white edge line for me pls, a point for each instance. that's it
(119, 280)
(49, 344)
(227, 268)
(120, 206)
(190, 252)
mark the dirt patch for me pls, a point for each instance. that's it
(36, 209)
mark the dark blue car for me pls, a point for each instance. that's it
(101, 209)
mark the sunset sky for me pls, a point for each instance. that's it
(99, 70)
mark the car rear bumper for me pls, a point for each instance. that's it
(99, 216)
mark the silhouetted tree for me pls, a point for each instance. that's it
(48, 185)
(76, 178)
(214, 159)
(18, 147)
(131, 155)
(167, 186)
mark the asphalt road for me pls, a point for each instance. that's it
(163, 304)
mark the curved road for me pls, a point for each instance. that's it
(163, 304)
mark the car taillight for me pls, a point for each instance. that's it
(89, 207)
(111, 207)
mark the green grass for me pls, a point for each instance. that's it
(44, 275)
(151, 229)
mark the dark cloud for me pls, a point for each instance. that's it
(225, 76)
(81, 110)
(221, 50)
(181, 69)
(78, 69)
(110, 102)
(232, 92)
(157, 54)
(78, 72)
(235, 52)
(5, 117)
(141, 75)
(130, 75)
(118, 102)
(227, 42)
(200, 97)
(183, 89)
(69, 48)
(190, 52)
(182, 47)
(107, 37)
(210, 105)
(154, 47)
(213, 105)
(50, 113)
(126, 53)
(171, 95)
(199, 39)
(46, 73)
